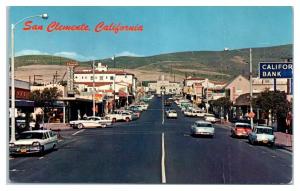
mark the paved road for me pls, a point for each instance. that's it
(152, 150)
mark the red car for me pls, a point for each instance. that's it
(241, 130)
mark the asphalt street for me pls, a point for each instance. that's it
(156, 150)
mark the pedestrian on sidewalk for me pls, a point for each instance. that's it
(288, 122)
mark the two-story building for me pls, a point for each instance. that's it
(119, 86)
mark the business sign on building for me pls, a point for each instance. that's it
(275, 70)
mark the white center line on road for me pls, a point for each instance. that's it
(78, 132)
(41, 158)
(162, 110)
(163, 166)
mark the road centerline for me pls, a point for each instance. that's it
(163, 166)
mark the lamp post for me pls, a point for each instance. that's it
(13, 106)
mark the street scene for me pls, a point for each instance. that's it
(162, 110)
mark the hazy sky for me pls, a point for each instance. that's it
(165, 29)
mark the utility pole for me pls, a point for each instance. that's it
(36, 79)
(94, 108)
(207, 95)
(114, 105)
(251, 88)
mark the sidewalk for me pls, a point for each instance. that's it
(282, 140)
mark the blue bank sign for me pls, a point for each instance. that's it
(276, 70)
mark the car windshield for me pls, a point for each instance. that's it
(243, 126)
(203, 125)
(172, 111)
(31, 135)
(264, 131)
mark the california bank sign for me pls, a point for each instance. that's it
(276, 70)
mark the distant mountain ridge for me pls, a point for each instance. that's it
(217, 65)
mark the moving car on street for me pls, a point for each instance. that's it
(241, 130)
(171, 114)
(37, 141)
(144, 106)
(202, 128)
(262, 134)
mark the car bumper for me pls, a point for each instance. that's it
(202, 133)
(28, 150)
(241, 134)
(265, 141)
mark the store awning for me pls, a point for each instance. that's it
(24, 103)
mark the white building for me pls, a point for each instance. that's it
(163, 85)
(106, 82)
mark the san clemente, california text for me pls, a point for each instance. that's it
(100, 27)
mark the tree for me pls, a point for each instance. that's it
(222, 104)
(45, 99)
(274, 103)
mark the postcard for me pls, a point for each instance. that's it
(150, 95)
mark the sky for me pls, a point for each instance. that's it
(165, 30)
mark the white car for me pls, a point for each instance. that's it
(91, 122)
(262, 134)
(144, 106)
(202, 128)
(119, 115)
(171, 114)
(210, 118)
(36, 141)
(192, 112)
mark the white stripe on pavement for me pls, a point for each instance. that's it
(163, 166)
(78, 132)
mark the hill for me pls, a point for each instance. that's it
(216, 65)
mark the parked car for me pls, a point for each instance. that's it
(188, 112)
(193, 112)
(171, 114)
(262, 134)
(37, 141)
(241, 130)
(91, 122)
(203, 128)
(211, 118)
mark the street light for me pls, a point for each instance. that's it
(251, 88)
(13, 107)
